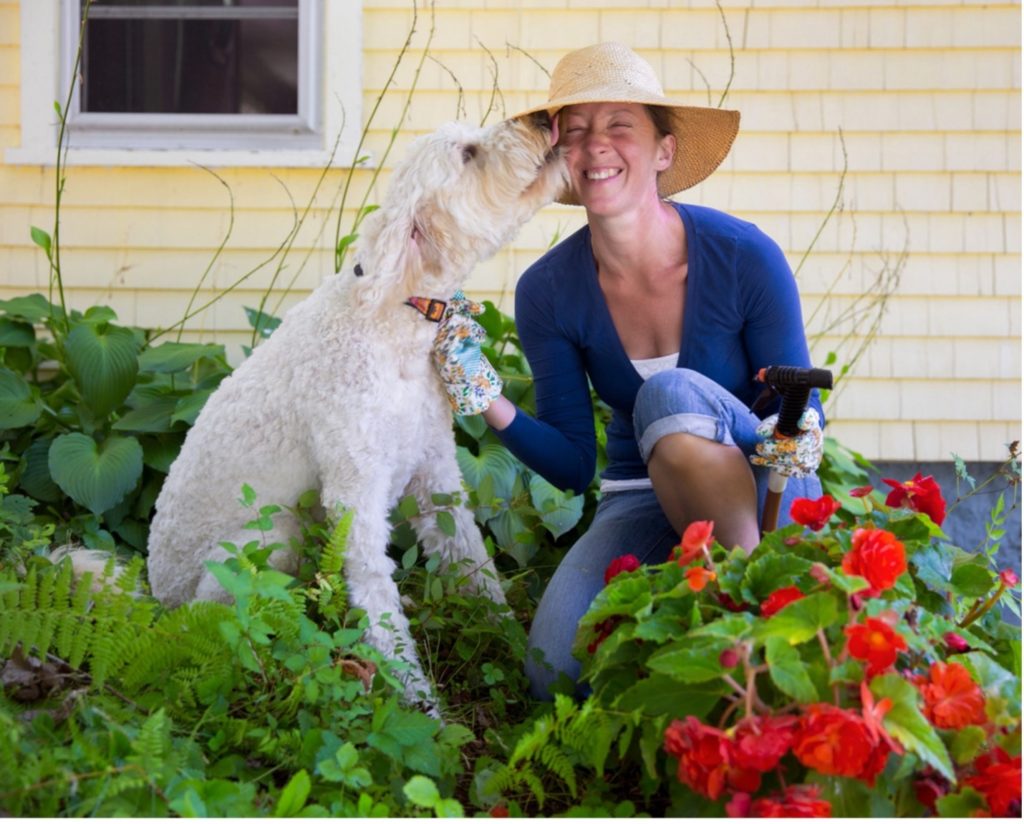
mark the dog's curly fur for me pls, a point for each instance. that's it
(343, 397)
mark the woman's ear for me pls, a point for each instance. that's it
(666, 151)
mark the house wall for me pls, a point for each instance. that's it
(919, 101)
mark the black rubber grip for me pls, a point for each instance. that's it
(782, 378)
(794, 383)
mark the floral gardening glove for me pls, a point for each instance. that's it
(793, 457)
(469, 379)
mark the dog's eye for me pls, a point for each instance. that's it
(468, 153)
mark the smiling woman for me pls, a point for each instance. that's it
(667, 310)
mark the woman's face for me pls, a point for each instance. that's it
(614, 154)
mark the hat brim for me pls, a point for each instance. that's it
(704, 136)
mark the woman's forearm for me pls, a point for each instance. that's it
(500, 413)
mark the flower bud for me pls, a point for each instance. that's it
(956, 643)
(729, 658)
(819, 573)
(1009, 578)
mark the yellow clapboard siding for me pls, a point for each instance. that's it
(926, 94)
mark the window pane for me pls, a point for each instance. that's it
(191, 66)
(189, 3)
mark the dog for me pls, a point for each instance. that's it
(343, 397)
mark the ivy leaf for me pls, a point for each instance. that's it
(800, 620)
(788, 672)
(905, 723)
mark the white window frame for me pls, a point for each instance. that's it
(332, 66)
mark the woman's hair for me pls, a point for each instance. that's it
(661, 118)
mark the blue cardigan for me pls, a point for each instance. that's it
(742, 312)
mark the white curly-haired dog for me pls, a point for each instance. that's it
(343, 397)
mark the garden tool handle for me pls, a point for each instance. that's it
(794, 383)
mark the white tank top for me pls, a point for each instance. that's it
(645, 368)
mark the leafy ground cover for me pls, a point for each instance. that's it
(720, 684)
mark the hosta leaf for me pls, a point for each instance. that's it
(35, 478)
(788, 671)
(16, 333)
(103, 360)
(494, 461)
(33, 308)
(154, 416)
(19, 405)
(173, 357)
(559, 511)
(97, 476)
(906, 724)
(190, 406)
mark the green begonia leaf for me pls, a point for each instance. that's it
(905, 723)
(788, 671)
(801, 620)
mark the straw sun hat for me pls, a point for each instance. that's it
(614, 73)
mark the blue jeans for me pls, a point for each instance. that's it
(632, 522)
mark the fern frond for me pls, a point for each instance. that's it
(558, 763)
(332, 560)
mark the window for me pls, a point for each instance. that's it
(227, 82)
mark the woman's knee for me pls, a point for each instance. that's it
(686, 402)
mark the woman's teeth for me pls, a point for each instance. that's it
(601, 174)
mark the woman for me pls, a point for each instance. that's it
(668, 310)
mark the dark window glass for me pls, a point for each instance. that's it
(201, 57)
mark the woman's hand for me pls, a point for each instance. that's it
(794, 457)
(469, 379)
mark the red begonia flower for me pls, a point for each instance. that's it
(760, 742)
(998, 779)
(602, 629)
(705, 759)
(952, 699)
(696, 538)
(703, 754)
(814, 514)
(1009, 578)
(929, 789)
(919, 494)
(834, 741)
(778, 599)
(698, 577)
(624, 563)
(876, 555)
(796, 801)
(876, 642)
